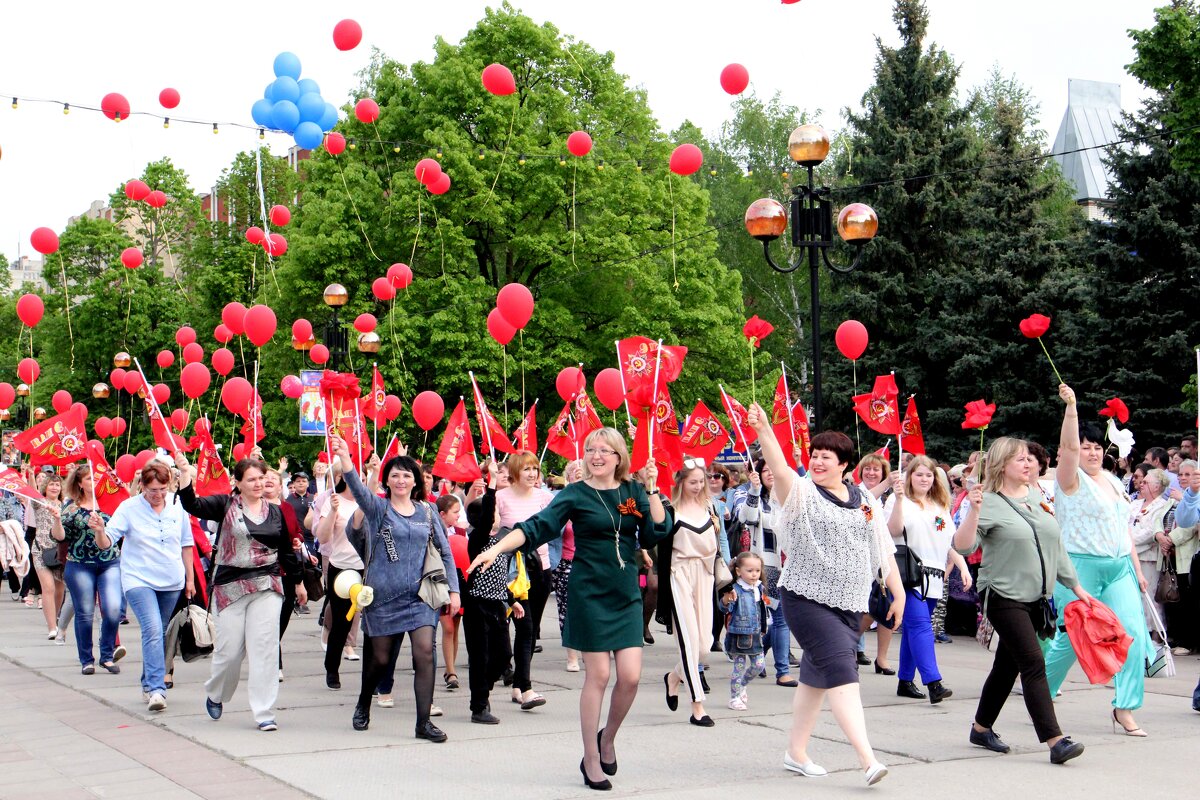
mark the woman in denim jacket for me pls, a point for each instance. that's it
(745, 604)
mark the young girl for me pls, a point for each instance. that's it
(747, 623)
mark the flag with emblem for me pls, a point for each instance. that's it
(703, 436)
(879, 408)
(56, 441)
(456, 454)
(524, 438)
(912, 440)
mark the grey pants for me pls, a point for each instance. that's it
(248, 629)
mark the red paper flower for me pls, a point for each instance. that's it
(756, 330)
(1035, 326)
(979, 414)
(1116, 408)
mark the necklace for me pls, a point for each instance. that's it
(615, 523)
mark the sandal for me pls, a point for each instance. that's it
(451, 679)
(112, 668)
(533, 702)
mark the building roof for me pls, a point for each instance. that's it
(1093, 114)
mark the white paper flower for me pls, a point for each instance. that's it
(1123, 439)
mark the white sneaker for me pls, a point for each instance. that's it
(61, 638)
(737, 704)
(435, 711)
(573, 667)
(156, 703)
(808, 769)
(119, 653)
(875, 773)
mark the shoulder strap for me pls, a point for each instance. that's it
(1036, 542)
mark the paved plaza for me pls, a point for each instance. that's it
(69, 736)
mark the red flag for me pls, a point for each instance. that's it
(108, 490)
(743, 434)
(253, 430)
(664, 458)
(372, 405)
(456, 454)
(11, 482)
(561, 439)
(59, 440)
(789, 420)
(703, 436)
(638, 356)
(879, 409)
(492, 435)
(392, 450)
(913, 440)
(525, 436)
(211, 477)
(586, 418)
(884, 452)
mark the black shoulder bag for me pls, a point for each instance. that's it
(1045, 616)
(912, 570)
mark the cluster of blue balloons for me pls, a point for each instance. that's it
(295, 105)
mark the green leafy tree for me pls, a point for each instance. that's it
(1168, 61)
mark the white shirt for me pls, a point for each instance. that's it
(930, 531)
(151, 556)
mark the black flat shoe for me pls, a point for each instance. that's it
(1065, 750)
(704, 683)
(647, 636)
(600, 786)
(882, 670)
(427, 730)
(111, 668)
(937, 692)
(704, 722)
(362, 717)
(672, 699)
(861, 658)
(909, 689)
(332, 682)
(608, 767)
(507, 677)
(989, 740)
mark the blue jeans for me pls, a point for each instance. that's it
(779, 641)
(916, 645)
(85, 581)
(153, 609)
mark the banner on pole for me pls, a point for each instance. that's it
(312, 405)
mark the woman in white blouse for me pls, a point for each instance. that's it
(836, 541)
(918, 514)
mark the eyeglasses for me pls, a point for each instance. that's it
(713, 476)
(603, 452)
(692, 463)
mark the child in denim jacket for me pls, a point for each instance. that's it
(746, 615)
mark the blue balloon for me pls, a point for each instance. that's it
(309, 86)
(286, 89)
(287, 65)
(329, 118)
(269, 92)
(261, 111)
(309, 135)
(285, 116)
(312, 107)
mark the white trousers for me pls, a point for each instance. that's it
(248, 628)
(692, 590)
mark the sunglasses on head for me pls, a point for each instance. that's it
(692, 463)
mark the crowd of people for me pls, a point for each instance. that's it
(740, 560)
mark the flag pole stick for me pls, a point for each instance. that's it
(653, 418)
(27, 497)
(857, 438)
(157, 410)
(542, 457)
(358, 430)
(254, 399)
(737, 425)
(479, 415)
(375, 421)
(629, 417)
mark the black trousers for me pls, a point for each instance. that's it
(1183, 618)
(485, 629)
(1017, 653)
(528, 626)
(339, 626)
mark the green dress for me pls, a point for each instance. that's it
(605, 612)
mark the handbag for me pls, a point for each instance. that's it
(434, 588)
(1167, 590)
(912, 570)
(197, 632)
(722, 577)
(312, 581)
(879, 603)
(985, 633)
(1163, 664)
(1045, 615)
(50, 557)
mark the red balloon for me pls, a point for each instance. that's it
(133, 381)
(61, 401)
(94, 449)
(80, 408)
(192, 353)
(392, 407)
(103, 427)
(179, 420)
(347, 34)
(498, 79)
(428, 410)
(185, 336)
(367, 110)
(136, 190)
(115, 106)
(234, 317)
(168, 98)
(735, 78)
(119, 426)
(365, 323)
(30, 309)
(335, 143)
(427, 170)
(579, 143)
(275, 244)
(222, 333)
(7, 395)
(260, 324)
(280, 215)
(441, 185)
(161, 392)
(165, 359)
(302, 330)
(235, 395)
(132, 257)
(126, 467)
(382, 289)
(142, 458)
(239, 451)
(194, 379)
(28, 370)
(222, 361)
(291, 386)
(255, 235)
(499, 329)
(569, 383)
(516, 304)
(400, 275)
(202, 427)
(686, 159)
(319, 354)
(44, 240)
(609, 389)
(851, 339)
(116, 379)
(156, 199)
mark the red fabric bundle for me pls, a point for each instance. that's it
(1099, 639)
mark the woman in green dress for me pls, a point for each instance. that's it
(612, 516)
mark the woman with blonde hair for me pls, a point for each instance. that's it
(612, 515)
(918, 516)
(49, 578)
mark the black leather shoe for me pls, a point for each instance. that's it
(704, 683)
(704, 722)
(537, 648)
(507, 677)
(600, 786)
(485, 717)
(608, 767)
(861, 658)
(362, 717)
(672, 699)
(427, 730)
(1065, 750)
(909, 689)
(937, 692)
(332, 682)
(988, 739)
(883, 670)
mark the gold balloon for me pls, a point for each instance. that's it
(303, 346)
(100, 391)
(368, 342)
(22, 390)
(4, 415)
(857, 223)
(39, 414)
(808, 145)
(336, 295)
(122, 360)
(766, 219)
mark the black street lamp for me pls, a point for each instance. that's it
(336, 338)
(812, 232)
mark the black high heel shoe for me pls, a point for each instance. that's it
(883, 670)
(608, 767)
(601, 786)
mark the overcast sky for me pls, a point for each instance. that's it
(818, 53)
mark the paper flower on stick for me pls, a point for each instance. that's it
(756, 330)
(1123, 439)
(1035, 326)
(979, 415)
(1116, 408)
